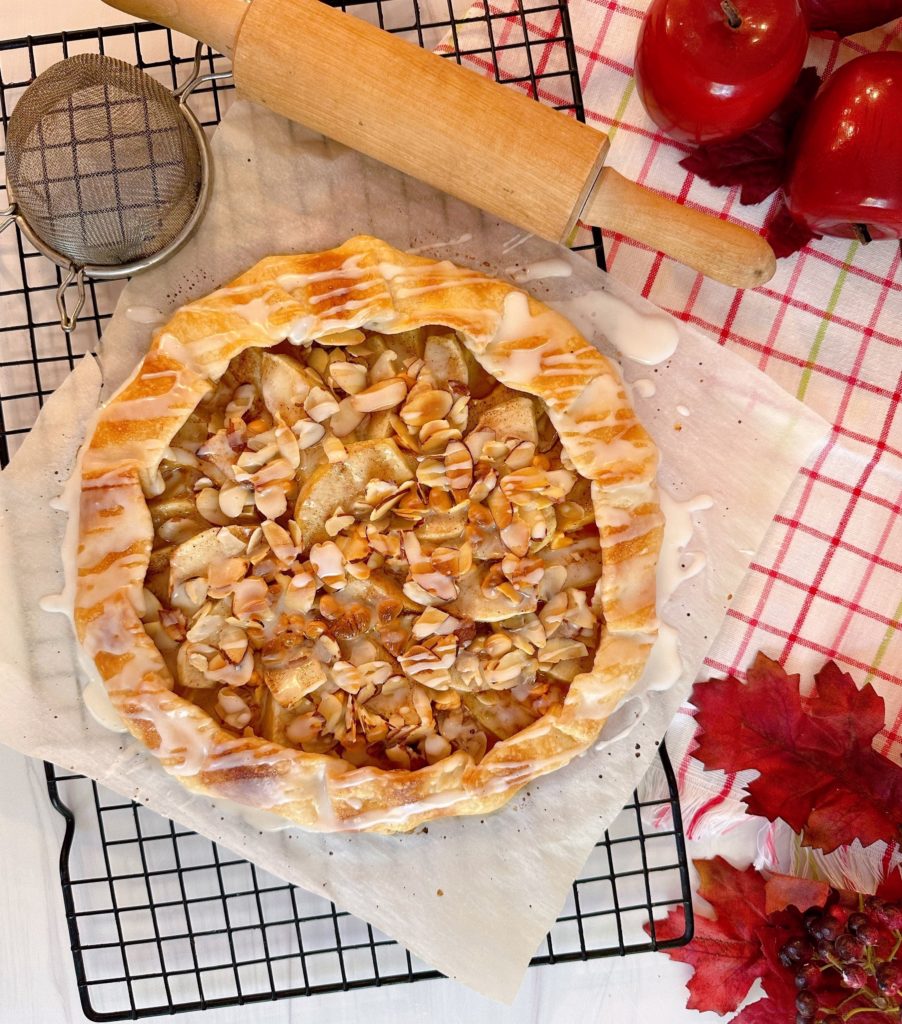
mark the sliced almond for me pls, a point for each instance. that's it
(346, 420)
(384, 394)
(350, 377)
(308, 432)
(320, 404)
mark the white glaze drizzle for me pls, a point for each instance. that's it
(98, 703)
(644, 387)
(555, 267)
(645, 338)
(676, 564)
(149, 315)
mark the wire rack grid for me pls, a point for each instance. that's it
(160, 919)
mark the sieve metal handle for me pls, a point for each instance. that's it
(7, 217)
(196, 78)
(69, 321)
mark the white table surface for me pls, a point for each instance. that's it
(37, 979)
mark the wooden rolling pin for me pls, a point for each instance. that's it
(449, 126)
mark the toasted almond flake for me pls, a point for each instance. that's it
(387, 544)
(279, 541)
(207, 626)
(382, 510)
(231, 540)
(405, 438)
(233, 708)
(476, 441)
(249, 597)
(459, 466)
(410, 507)
(251, 460)
(500, 508)
(561, 480)
(242, 399)
(233, 498)
(431, 473)
(384, 366)
(300, 593)
(495, 450)
(271, 500)
(334, 449)
(326, 650)
(552, 582)
(515, 537)
(425, 405)
(198, 661)
(346, 420)
(509, 670)
(309, 433)
(453, 561)
(497, 644)
(233, 643)
(523, 572)
(287, 443)
(304, 729)
(418, 595)
(196, 590)
(320, 404)
(350, 377)
(458, 415)
(438, 442)
(338, 522)
(207, 502)
(328, 563)
(277, 470)
(521, 455)
(318, 360)
(384, 394)
(222, 573)
(345, 338)
(434, 622)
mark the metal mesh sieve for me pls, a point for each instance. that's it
(101, 162)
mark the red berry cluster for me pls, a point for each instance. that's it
(846, 962)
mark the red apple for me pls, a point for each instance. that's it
(846, 17)
(845, 177)
(709, 70)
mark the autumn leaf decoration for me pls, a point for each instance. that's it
(822, 956)
(758, 163)
(818, 769)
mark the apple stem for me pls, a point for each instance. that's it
(862, 233)
(733, 18)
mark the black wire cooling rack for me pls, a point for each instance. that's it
(160, 919)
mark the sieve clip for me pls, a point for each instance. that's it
(7, 217)
(196, 78)
(68, 321)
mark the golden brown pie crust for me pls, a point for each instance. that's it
(302, 298)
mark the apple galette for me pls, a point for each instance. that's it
(366, 540)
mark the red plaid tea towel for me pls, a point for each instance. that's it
(827, 583)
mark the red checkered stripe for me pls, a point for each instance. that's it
(827, 582)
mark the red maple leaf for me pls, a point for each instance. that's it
(818, 770)
(782, 891)
(725, 952)
(784, 233)
(757, 160)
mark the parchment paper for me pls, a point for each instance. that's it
(279, 188)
